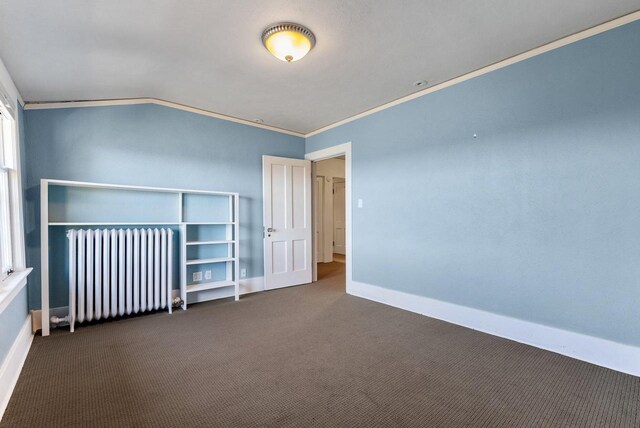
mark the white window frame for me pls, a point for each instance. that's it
(11, 212)
(7, 166)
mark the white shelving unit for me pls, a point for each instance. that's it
(208, 239)
(220, 240)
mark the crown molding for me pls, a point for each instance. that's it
(581, 35)
(131, 101)
(601, 28)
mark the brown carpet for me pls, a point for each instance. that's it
(308, 356)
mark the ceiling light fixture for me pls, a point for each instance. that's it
(288, 41)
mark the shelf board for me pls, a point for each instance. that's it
(209, 242)
(206, 261)
(206, 223)
(115, 223)
(209, 286)
(132, 223)
(67, 183)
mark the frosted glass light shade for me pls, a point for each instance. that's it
(288, 42)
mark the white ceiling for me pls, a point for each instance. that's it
(208, 54)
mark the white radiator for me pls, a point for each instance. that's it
(118, 272)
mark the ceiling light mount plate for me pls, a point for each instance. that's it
(288, 41)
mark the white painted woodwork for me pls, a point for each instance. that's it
(287, 221)
(111, 50)
(331, 152)
(318, 218)
(330, 170)
(113, 305)
(13, 362)
(339, 217)
(614, 355)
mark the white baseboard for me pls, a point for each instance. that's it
(602, 352)
(252, 285)
(12, 365)
(247, 285)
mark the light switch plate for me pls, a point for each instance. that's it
(360, 203)
(197, 276)
(243, 273)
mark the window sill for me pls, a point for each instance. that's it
(11, 286)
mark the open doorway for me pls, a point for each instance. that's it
(332, 206)
(329, 208)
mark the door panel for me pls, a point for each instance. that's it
(279, 259)
(279, 199)
(287, 215)
(299, 255)
(339, 218)
(299, 203)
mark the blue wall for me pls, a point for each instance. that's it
(13, 317)
(538, 217)
(154, 146)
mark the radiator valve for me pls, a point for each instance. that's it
(177, 302)
(57, 320)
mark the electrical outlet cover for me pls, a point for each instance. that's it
(197, 276)
(207, 274)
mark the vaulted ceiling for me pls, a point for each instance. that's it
(208, 54)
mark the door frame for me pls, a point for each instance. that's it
(328, 153)
(315, 203)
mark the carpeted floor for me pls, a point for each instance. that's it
(308, 356)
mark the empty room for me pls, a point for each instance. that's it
(288, 213)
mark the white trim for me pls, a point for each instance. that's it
(331, 152)
(45, 224)
(17, 214)
(605, 353)
(132, 101)
(626, 19)
(9, 87)
(247, 286)
(44, 256)
(11, 286)
(252, 285)
(12, 364)
(314, 229)
(129, 187)
(634, 16)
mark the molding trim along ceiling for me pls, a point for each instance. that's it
(131, 101)
(601, 28)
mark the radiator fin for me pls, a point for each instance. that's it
(119, 272)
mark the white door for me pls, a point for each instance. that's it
(339, 217)
(319, 218)
(287, 221)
